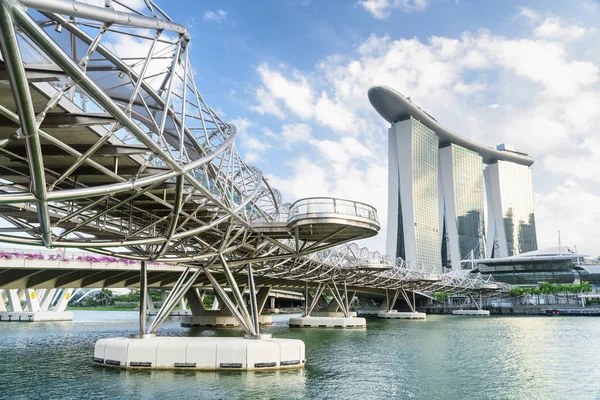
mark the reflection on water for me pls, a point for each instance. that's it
(444, 357)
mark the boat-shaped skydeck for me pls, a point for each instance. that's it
(394, 107)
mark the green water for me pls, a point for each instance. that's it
(444, 357)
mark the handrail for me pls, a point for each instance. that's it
(331, 205)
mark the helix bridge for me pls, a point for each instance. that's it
(107, 145)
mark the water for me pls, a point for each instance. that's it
(444, 357)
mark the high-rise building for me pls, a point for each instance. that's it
(436, 201)
(511, 220)
(463, 211)
(414, 228)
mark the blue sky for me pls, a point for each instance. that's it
(293, 75)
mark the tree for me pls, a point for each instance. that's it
(105, 297)
(518, 292)
(131, 297)
(439, 296)
(537, 291)
(586, 287)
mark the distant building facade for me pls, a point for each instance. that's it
(440, 196)
(555, 265)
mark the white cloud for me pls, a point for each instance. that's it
(295, 93)
(307, 180)
(528, 14)
(334, 115)
(267, 104)
(218, 16)
(253, 146)
(555, 28)
(469, 88)
(242, 124)
(575, 211)
(290, 135)
(578, 163)
(380, 9)
(295, 133)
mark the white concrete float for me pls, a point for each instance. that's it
(368, 313)
(328, 322)
(220, 321)
(480, 313)
(200, 353)
(337, 314)
(37, 316)
(393, 314)
(174, 313)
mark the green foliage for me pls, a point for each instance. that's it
(155, 294)
(546, 289)
(439, 296)
(131, 297)
(208, 300)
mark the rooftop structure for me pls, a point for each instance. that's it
(394, 107)
(553, 265)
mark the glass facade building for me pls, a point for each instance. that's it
(414, 225)
(443, 205)
(462, 182)
(511, 220)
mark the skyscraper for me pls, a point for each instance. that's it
(436, 191)
(462, 182)
(414, 228)
(511, 220)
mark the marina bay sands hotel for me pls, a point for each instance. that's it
(436, 211)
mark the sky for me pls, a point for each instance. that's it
(293, 75)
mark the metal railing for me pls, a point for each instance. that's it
(330, 205)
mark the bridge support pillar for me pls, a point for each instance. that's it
(261, 298)
(34, 311)
(182, 311)
(253, 352)
(477, 312)
(143, 296)
(202, 317)
(47, 299)
(3, 300)
(394, 314)
(330, 317)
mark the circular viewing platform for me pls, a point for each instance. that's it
(321, 218)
